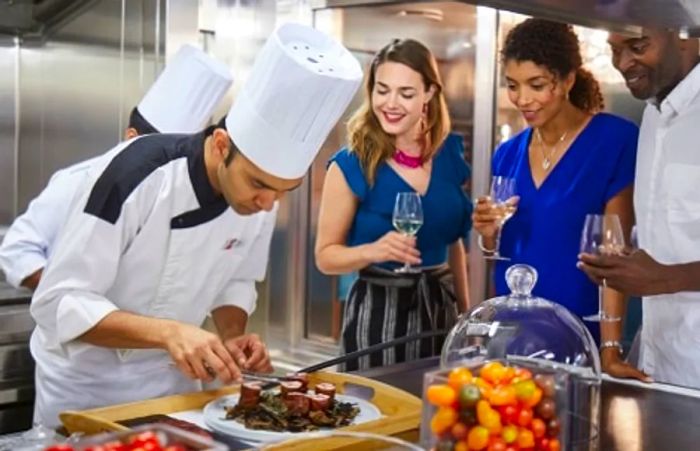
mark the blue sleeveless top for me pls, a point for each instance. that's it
(545, 231)
(446, 208)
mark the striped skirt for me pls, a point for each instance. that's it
(383, 305)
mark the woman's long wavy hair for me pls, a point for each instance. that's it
(365, 134)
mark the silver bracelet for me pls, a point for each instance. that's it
(480, 242)
(611, 344)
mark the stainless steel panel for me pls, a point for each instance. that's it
(8, 99)
(78, 87)
(619, 14)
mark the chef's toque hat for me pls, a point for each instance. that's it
(301, 83)
(185, 94)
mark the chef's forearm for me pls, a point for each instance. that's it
(230, 321)
(121, 329)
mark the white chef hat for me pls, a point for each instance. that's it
(301, 83)
(185, 94)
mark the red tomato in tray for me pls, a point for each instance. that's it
(59, 448)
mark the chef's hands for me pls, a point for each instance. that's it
(394, 247)
(201, 355)
(613, 364)
(635, 274)
(250, 353)
(485, 219)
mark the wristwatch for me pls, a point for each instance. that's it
(611, 344)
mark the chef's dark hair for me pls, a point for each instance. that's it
(233, 150)
(140, 124)
(555, 46)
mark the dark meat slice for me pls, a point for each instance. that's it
(321, 418)
(326, 388)
(297, 403)
(250, 394)
(320, 402)
(288, 387)
(300, 377)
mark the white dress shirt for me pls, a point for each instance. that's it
(667, 206)
(148, 235)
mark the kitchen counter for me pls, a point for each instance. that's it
(634, 417)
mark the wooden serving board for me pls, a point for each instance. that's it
(401, 412)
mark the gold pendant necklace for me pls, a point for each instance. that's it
(547, 159)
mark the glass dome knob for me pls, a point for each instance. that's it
(521, 279)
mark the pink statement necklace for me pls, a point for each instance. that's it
(403, 159)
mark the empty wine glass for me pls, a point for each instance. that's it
(602, 235)
(407, 218)
(502, 193)
(634, 239)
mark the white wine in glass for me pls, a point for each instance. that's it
(602, 235)
(407, 218)
(502, 193)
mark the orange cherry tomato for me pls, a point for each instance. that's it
(554, 444)
(509, 434)
(493, 372)
(459, 377)
(525, 438)
(478, 438)
(535, 399)
(444, 418)
(525, 417)
(503, 396)
(441, 395)
(539, 428)
(461, 446)
(484, 386)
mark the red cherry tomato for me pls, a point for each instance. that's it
(62, 447)
(538, 426)
(509, 414)
(175, 448)
(542, 444)
(497, 444)
(525, 417)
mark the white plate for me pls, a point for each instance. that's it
(215, 414)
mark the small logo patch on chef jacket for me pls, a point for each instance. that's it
(231, 243)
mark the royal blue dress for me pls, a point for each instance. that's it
(545, 232)
(446, 208)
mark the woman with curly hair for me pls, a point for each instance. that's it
(571, 161)
(399, 141)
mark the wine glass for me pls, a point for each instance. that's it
(602, 235)
(502, 191)
(407, 218)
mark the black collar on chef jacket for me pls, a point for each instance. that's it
(142, 157)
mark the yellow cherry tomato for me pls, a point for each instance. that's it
(441, 395)
(525, 390)
(459, 377)
(478, 438)
(509, 434)
(535, 399)
(444, 418)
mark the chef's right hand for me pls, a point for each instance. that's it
(394, 247)
(200, 354)
(485, 219)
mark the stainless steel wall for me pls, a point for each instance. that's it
(75, 88)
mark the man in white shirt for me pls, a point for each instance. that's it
(663, 69)
(171, 228)
(181, 100)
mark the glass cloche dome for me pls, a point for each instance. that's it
(517, 369)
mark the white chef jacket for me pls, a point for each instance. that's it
(148, 235)
(29, 241)
(667, 205)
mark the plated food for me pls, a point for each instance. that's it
(292, 408)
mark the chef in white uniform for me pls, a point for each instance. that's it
(664, 69)
(171, 228)
(181, 100)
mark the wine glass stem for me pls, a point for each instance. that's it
(601, 312)
(497, 252)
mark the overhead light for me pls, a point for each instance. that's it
(429, 13)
